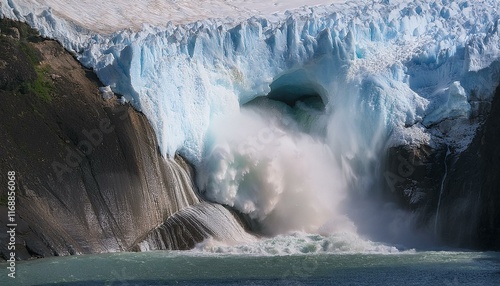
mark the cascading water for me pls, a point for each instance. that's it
(264, 166)
(291, 167)
(448, 152)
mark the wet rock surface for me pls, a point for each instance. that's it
(192, 225)
(89, 174)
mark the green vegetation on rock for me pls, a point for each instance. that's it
(23, 71)
(42, 86)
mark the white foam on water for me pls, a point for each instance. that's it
(300, 243)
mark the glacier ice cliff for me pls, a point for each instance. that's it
(414, 63)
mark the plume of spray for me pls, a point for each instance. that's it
(262, 163)
(302, 169)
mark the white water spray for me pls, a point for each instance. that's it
(262, 165)
(291, 169)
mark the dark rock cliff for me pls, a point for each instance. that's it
(470, 202)
(455, 197)
(88, 172)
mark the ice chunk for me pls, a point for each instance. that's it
(106, 92)
(450, 103)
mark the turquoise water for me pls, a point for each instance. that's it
(190, 268)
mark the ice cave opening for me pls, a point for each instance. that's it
(298, 86)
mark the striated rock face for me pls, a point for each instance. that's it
(192, 225)
(90, 177)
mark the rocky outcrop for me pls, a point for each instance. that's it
(470, 201)
(455, 195)
(89, 174)
(412, 174)
(194, 224)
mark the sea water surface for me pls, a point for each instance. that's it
(195, 268)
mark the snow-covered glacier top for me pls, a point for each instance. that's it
(112, 16)
(396, 67)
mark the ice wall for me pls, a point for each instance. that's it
(411, 64)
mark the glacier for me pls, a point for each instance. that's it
(416, 62)
(383, 72)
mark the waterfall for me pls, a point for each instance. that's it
(448, 152)
(182, 192)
